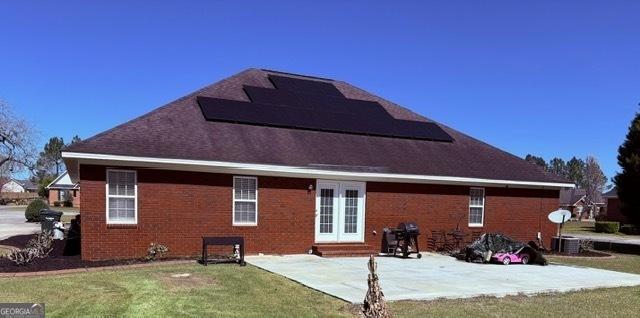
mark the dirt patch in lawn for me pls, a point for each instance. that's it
(185, 281)
(56, 261)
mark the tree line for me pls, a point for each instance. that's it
(18, 152)
(585, 174)
(581, 172)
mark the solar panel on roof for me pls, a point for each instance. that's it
(315, 105)
(261, 95)
(304, 86)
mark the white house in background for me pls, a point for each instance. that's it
(14, 186)
(63, 189)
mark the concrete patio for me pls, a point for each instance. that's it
(435, 276)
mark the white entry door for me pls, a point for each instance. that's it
(340, 211)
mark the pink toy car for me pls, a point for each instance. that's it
(508, 258)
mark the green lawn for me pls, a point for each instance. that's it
(217, 290)
(579, 227)
(614, 302)
(621, 262)
(233, 291)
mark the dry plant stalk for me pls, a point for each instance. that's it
(374, 302)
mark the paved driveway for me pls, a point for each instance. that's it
(435, 276)
(12, 222)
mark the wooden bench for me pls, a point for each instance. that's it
(223, 240)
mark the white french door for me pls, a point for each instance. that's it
(340, 211)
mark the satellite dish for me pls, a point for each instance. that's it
(559, 216)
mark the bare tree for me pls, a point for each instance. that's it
(594, 182)
(16, 141)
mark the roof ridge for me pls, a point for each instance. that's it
(296, 74)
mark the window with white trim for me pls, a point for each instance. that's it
(245, 201)
(476, 207)
(122, 197)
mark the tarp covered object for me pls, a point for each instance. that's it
(500, 243)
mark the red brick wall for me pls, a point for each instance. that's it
(613, 211)
(53, 197)
(520, 213)
(178, 208)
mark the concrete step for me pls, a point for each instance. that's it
(347, 249)
(355, 253)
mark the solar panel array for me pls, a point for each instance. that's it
(315, 105)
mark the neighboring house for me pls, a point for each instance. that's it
(18, 186)
(295, 163)
(613, 212)
(62, 189)
(575, 200)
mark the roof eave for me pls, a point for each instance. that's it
(74, 159)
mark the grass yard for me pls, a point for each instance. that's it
(218, 290)
(614, 302)
(578, 227)
(621, 263)
(232, 291)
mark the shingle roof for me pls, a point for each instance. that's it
(569, 197)
(28, 184)
(613, 193)
(179, 130)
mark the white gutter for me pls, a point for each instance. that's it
(290, 171)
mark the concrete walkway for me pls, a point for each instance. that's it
(435, 276)
(12, 222)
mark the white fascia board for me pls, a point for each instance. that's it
(294, 172)
(55, 180)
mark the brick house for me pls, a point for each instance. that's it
(62, 189)
(575, 200)
(613, 212)
(293, 162)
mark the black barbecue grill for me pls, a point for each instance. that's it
(403, 240)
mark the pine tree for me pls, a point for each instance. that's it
(538, 161)
(558, 167)
(575, 168)
(628, 180)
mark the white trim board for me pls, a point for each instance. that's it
(73, 159)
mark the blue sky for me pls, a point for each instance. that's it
(549, 78)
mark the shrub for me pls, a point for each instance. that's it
(67, 204)
(22, 256)
(38, 247)
(586, 244)
(42, 243)
(607, 227)
(32, 214)
(57, 203)
(155, 251)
